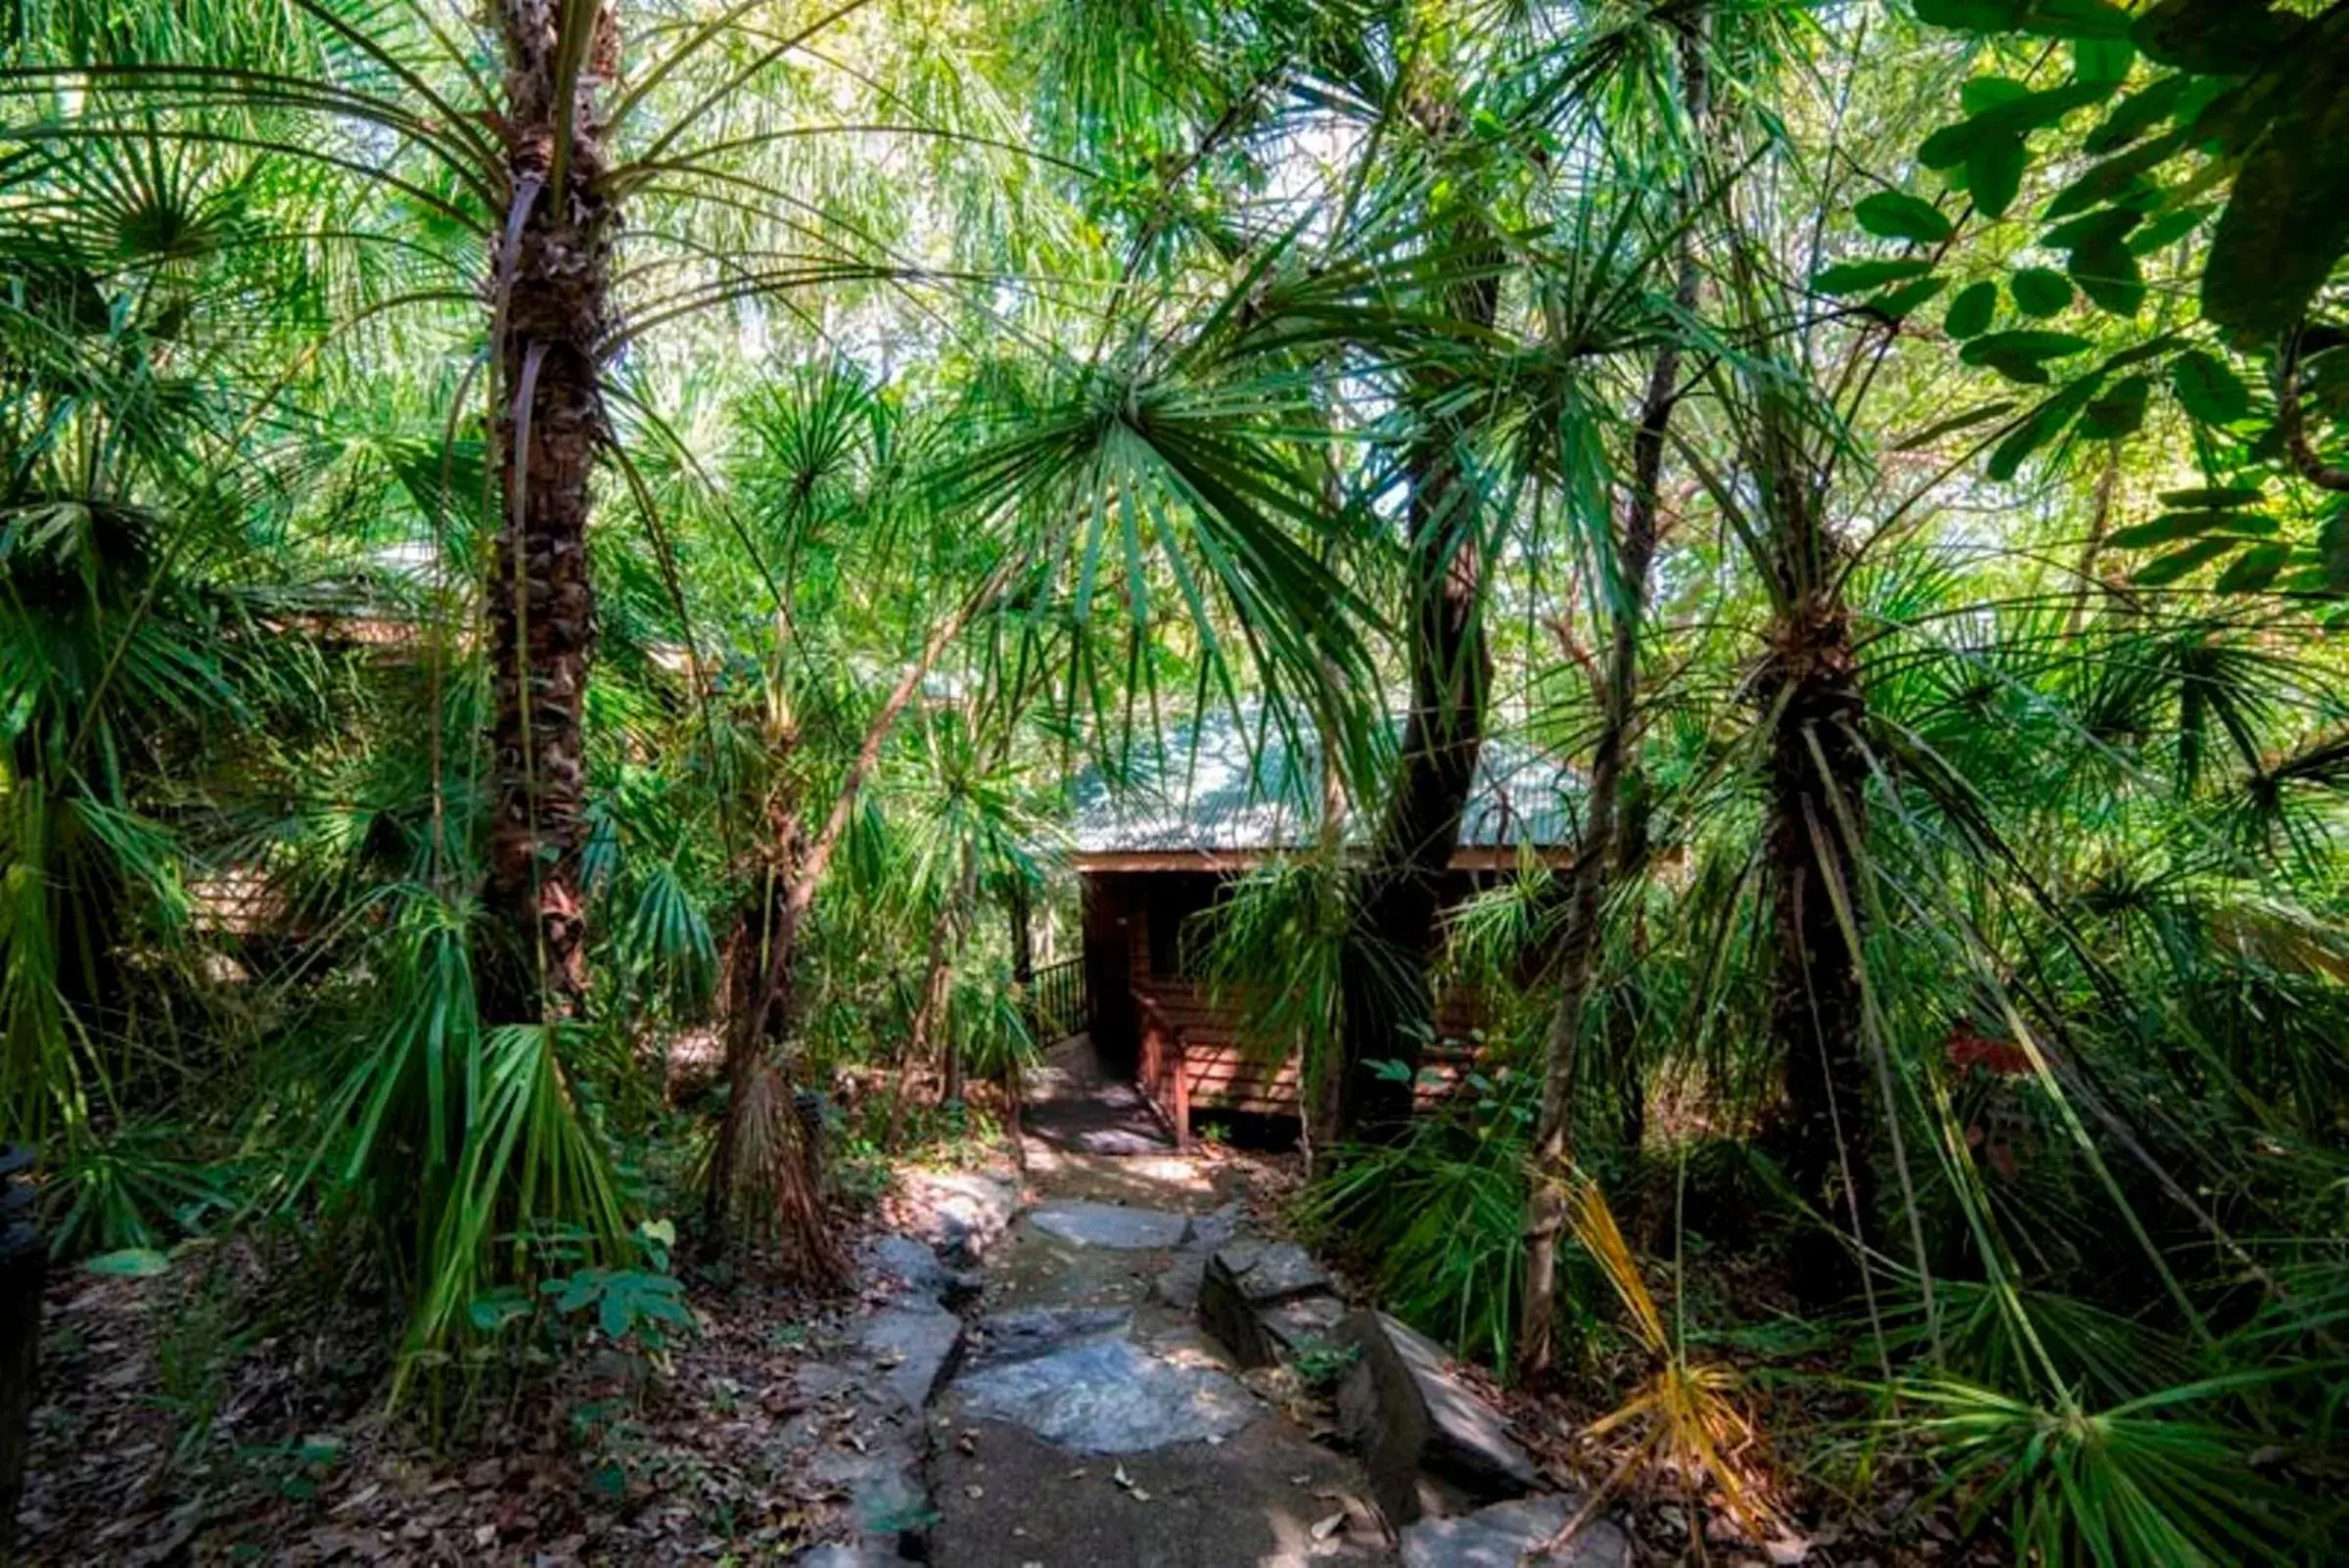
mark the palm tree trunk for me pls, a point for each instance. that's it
(1816, 809)
(552, 281)
(1603, 855)
(1388, 1004)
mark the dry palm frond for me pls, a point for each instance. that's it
(766, 1198)
(1692, 1419)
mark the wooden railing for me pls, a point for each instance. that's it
(1057, 1001)
(1164, 1078)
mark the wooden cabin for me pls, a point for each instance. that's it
(1214, 804)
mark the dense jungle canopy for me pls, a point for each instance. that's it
(565, 564)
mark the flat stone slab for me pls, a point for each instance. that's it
(1499, 1537)
(1108, 1395)
(1024, 1335)
(1270, 1270)
(1219, 1229)
(1178, 1286)
(902, 1258)
(1304, 1320)
(1107, 1225)
(913, 1348)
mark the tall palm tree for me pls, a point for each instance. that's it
(1606, 847)
(551, 304)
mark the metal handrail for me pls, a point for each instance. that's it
(1058, 1003)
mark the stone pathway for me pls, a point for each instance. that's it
(1061, 1406)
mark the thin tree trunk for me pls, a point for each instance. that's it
(1815, 807)
(2098, 522)
(763, 1001)
(1602, 855)
(1387, 1002)
(552, 281)
(927, 1013)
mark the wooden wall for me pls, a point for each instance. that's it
(1124, 911)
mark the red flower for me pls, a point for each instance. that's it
(1968, 1049)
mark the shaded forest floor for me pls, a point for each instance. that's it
(232, 1409)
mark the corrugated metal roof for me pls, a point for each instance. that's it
(1227, 784)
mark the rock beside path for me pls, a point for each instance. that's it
(959, 1212)
(1500, 1536)
(916, 1264)
(1413, 1419)
(1263, 1299)
(913, 1349)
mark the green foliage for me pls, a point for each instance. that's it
(1440, 1216)
(2136, 1482)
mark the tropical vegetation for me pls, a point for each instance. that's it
(563, 560)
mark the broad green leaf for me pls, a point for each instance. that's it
(2114, 177)
(2168, 229)
(1972, 15)
(2135, 115)
(2077, 20)
(1898, 216)
(2213, 499)
(2254, 569)
(2120, 411)
(2046, 423)
(2207, 390)
(2005, 121)
(2104, 59)
(2107, 273)
(1979, 93)
(2288, 223)
(2109, 223)
(2215, 37)
(1898, 302)
(2025, 344)
(1859, 277)
(2171, 527)
(1993, 173)
(1954, 424)
(2017, 368)
(2177, 564)
(1969, 315)
(2040, 292)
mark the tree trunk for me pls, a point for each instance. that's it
(763, 1188)
(1816, 808)
(763, 1001)
(926, 1015)
(1387, 1001)
(1603, 853)
(552, 278)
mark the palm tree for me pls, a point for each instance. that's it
(1607, 847)
(552, 328)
